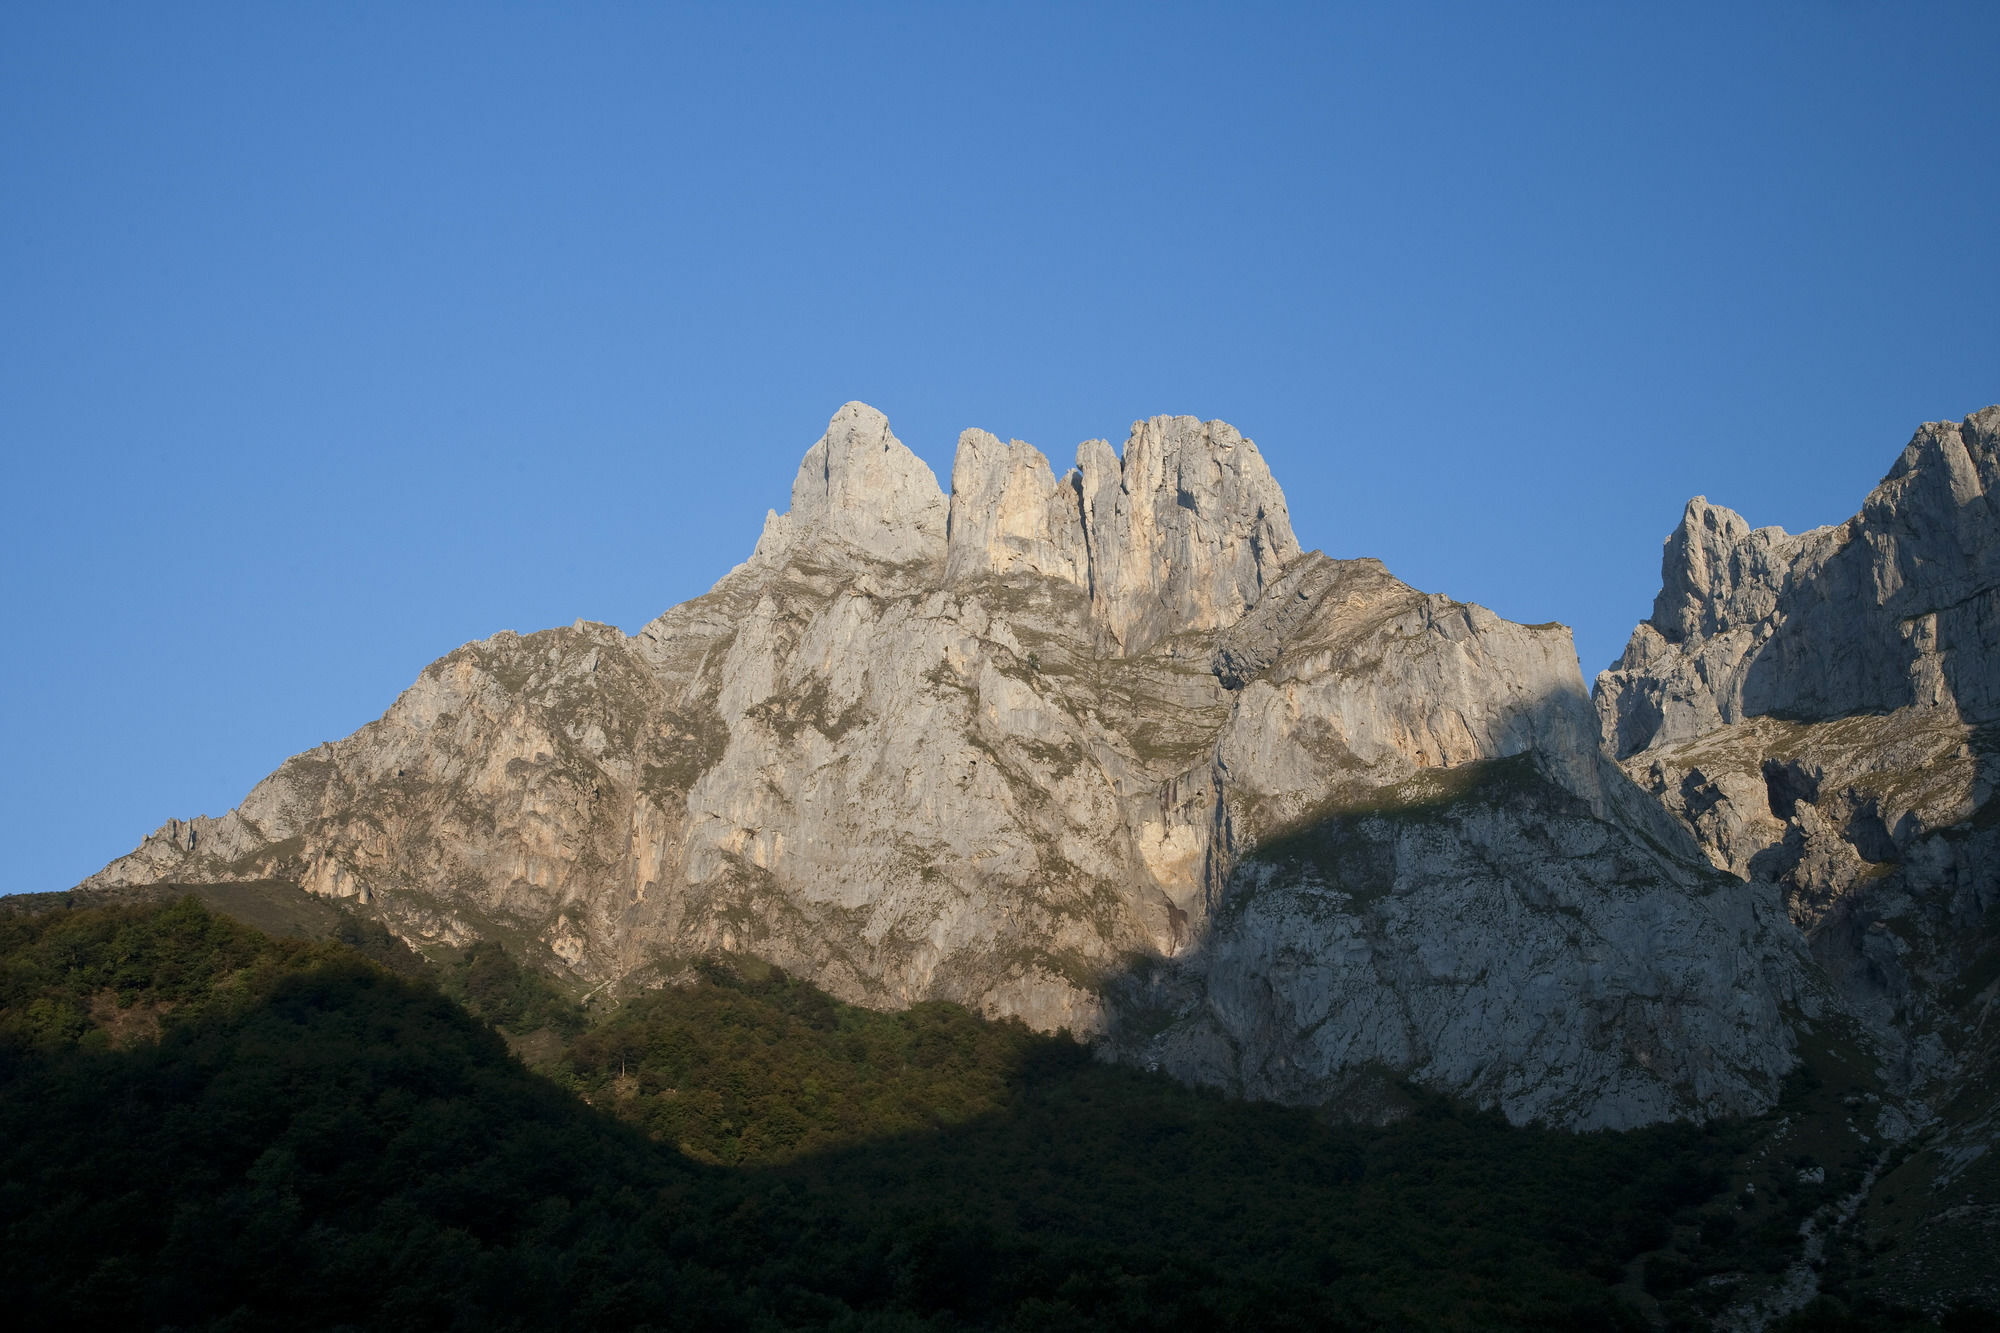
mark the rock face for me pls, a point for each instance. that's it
(1823, 711)
(1894, 608)
(1186, 530)
(1816, 708)
(1478, 928)
(1103, 750)
(1180, 535)
(859, 487)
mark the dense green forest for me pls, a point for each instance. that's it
(206, 1127)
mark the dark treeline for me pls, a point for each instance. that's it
(204, 1127)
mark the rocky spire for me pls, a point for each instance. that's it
(1185, 531)
(1716, 572)
(861, 486)
(1009, 513)
(1899, 605)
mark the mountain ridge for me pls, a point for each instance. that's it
(1019, 745)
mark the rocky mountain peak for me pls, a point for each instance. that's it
(1187, 528)
(1716, 571)
(1898, 606)
(1818, 712)
(861, 486)
(1103, 750)
(1183, 532)
(1011, 514)
(1955, 457)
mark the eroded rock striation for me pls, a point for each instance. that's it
(1104, 750)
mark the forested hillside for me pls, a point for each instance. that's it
(202, 1126)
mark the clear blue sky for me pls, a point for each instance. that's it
(333, 336)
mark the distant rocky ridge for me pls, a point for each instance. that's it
(1819, 710)
(1822, 711)
(1103, 750)
(1897, 607)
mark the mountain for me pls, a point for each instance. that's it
(1822, 711)
(1106, 751)
(1102, 750)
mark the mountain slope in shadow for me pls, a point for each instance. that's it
(202, 1126)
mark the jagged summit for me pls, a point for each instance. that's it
(1716, 572)
(1818, 711)
(1182, 531)
(861, 486)
(1185, 533)
(1896, 606)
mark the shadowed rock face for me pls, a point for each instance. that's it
(1479, 928)
(1897, 607)
(1812, 707)
(1024, 747)
(1819, 712)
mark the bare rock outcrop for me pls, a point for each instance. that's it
(1187, 529)
(1480, 928)
(1897, 607)
(1819, 712)
(1812, 706)
(861, 487)
(1010, 514)
(1023, 745)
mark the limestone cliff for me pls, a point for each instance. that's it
(1823, 711)
(1894, 608)
(1104, 750)
(1818, 709)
